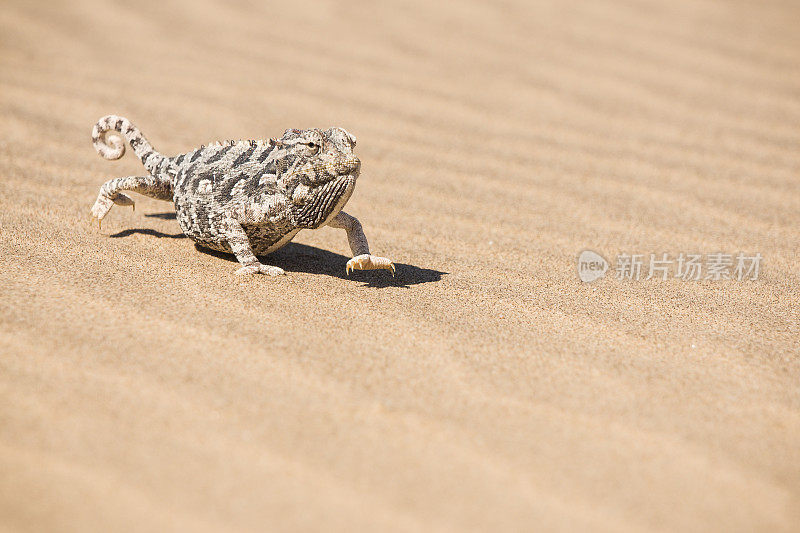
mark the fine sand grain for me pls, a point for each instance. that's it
(145, 387)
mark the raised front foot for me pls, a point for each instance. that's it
(261, 269)
(369, 262)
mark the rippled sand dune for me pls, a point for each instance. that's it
(145, 387)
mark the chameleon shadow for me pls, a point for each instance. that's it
(295, 257)
(163, 216)
(147, 231)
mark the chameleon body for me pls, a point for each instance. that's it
(245, 197)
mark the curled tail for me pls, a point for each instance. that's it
(112, 147)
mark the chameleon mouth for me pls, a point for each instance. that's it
(331, 170)
(356, 167)
(350, 166)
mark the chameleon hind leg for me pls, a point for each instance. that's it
(111, 193)
(362, 259)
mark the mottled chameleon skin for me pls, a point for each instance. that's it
(245, 197)
(272, 189)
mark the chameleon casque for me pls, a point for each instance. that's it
(245, 197)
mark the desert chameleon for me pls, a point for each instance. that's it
(245, 197)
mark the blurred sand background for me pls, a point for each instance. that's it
(145, 387)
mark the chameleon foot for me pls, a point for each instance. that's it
(101, 207)
(369, 262)
(103, 204)
(261, 269)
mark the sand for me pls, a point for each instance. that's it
(144, 387)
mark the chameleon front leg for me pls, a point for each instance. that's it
(362, 259)
(240, 246)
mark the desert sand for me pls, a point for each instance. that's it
(144, 387)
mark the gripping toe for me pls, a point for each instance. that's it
(369, 262)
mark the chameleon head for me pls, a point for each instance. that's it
(321, 171)
(326, 154)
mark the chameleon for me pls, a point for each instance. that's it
(249, 197)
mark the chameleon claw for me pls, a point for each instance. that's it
(369, 262)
